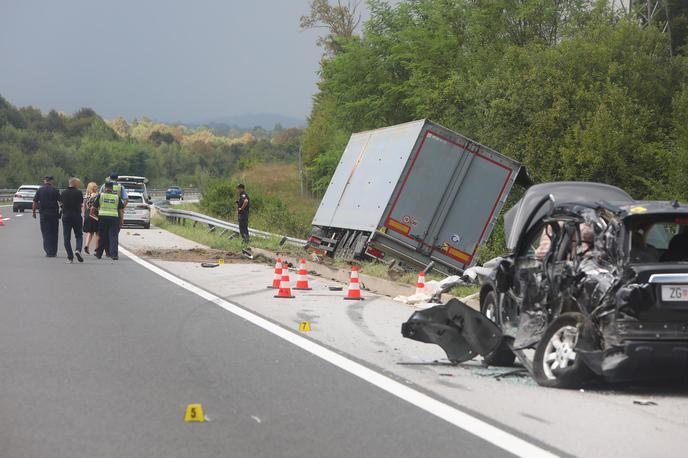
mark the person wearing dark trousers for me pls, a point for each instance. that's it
(243, 210)
(110, 210)
(47, 202)
(72, 200)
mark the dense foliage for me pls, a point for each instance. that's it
(33, 145)
(573, 90)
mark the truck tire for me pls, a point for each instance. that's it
(556, 364)
(502, 356)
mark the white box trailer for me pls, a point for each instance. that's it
(417, 192)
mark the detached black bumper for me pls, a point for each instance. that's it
(640, 360)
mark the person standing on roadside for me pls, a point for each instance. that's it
(243, 209)
(72, 200)
(90, 222)
(110, 210)
(46, 201)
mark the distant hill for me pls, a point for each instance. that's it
(249, 121)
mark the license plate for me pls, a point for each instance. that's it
(674, 293)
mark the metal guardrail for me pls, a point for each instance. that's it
(7, 194)
(214, 223)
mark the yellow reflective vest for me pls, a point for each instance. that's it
(108, 205)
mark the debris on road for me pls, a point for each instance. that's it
(644, 402)
(210, 264)
(431, 288)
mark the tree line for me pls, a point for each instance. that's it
(571, 88)
(83, 144)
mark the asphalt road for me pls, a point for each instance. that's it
(100, 360)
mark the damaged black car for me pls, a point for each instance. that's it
(596, 286)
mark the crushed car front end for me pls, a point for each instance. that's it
(644, 323)
(595, 289)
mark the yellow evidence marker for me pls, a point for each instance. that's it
(305, 326)
(221, 261)
(194, 412)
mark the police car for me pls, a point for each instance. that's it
(137, 212)
(23, 198)
(135, 184)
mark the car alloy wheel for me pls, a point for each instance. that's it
(560, 352)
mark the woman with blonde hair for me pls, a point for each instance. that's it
(90, 222)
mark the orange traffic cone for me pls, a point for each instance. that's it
(420, 285)
(301, 279)
(278, 275)
(285, 288)
(354, 291)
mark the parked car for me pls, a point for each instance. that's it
(596, 284)
(137, 212)
(135, 184)
(174, 192)
(23, 198)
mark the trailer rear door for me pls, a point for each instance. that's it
(448, 197)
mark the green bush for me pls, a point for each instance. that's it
(268, 212)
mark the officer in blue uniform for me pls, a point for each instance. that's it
(47, 200)
(242, 208)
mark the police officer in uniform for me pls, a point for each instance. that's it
(118, 188)
(110, 210)
(243, 207)
(46, 200)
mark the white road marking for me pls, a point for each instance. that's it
(473, 425)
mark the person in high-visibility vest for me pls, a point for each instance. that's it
(117, 187)
(109, 208)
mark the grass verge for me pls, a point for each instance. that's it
(200, 234)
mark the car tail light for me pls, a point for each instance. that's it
(374, 252)
(142, 207)
(18, 195)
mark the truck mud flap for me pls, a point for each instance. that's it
(462, 332)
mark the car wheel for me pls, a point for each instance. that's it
(502, 356)
(21, 210)
(15, 209)
(146, 226)
(556, 363)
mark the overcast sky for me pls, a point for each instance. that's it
(171, 60)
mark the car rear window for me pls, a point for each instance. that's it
(662, 240)
(27, 189)
(135, 198)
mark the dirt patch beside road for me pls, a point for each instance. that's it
(190, 255)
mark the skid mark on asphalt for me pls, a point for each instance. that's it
(536, 418)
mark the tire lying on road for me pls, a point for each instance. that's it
(556, 363)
